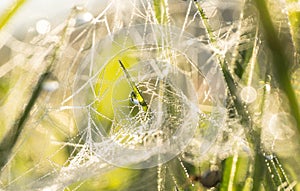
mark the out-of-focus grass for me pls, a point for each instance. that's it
(160, 9)
(280, 60)
(235, 169)
(114, 180)
(9, 13)
(294, 18)
(10, 139)
(281, 65)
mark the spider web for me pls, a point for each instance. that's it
(86, 114)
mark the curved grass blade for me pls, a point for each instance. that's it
(280, 59)
(10, 139)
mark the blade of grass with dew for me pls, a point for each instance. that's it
(226, 72)
(280, 60)
(229, 165)
(10, 139)
(179, 174)
(205, 22)
(259, 161)
(135, 89)
(277, 173)
(253, 136)
(241, 108)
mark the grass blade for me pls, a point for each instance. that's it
(10, 139)
(280, 59)
(6, 16)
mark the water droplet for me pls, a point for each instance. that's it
(248, 94)
(79, 8)
(50, 85)
(43, 26)
(269, 157)
(83, 18)
(268, 87)
(133, 99)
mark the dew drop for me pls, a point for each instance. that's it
(133, 99)
(248, 94)
(268, 87)
(43, 26)
(83, 18)
(79, 8)
(269, 157)
(50, 85)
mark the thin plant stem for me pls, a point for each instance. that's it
(7, 15)
(10, 139)
(205, 22)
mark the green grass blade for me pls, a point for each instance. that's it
(7, 15)
(205, 22)
(281, 62)
(225, 184)
(11, 138)
(135, 89)
(160, 11)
